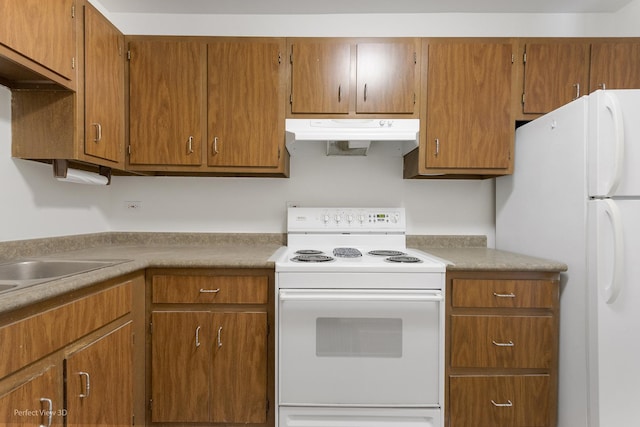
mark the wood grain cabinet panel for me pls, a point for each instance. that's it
(246, 103)
(502, 341)
(386, 78)
(555, 73)
(466, 121)
(210, 289)
(43, 31)
(320, 77)
(167, 81)
(500, 401)
(99, 380)
(104, 88)
(31, 403)
(504, 293)
(615, 65)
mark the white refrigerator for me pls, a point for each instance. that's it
(575, 197)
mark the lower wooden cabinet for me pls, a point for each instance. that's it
(99, 381)
(210, 352)
(502, 349)
(71, 361)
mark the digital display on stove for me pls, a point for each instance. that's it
(381, 217)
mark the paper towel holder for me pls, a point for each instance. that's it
(61, 166)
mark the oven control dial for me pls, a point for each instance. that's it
(337, 218)
(349, 218)
(326, 218)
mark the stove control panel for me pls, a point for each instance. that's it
(301, 219)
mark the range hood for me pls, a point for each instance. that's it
(353, 137)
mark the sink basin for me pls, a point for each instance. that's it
(18, 274)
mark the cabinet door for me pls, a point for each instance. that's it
(43, 31)
(554, 74)
(180, 366)
(468, 117)
(100, 381)
(37, 402)
(321, 74)
(166, 95)
(104, 87)
(239, 376)
(246, 103)
(386, 76)
(615, 66)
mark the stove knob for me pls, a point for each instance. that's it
(362, 218)
(326, 218)
(349, 218)
(395, 218)
(338, 218)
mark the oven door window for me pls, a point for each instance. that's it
(359, 348)
(358, 337)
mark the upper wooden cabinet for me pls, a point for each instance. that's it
(104, 88)
(466, 124)
(615, 65)
(85, 126)
(246, 104)
(167, 83)
(555, 73)
(40, 31)
(347, 77)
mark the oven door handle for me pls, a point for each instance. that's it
(359, 295)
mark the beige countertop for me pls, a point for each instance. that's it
(138, 251)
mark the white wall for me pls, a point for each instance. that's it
(34, 205)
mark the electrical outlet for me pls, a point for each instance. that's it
(133, 205)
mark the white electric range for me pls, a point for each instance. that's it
(360, 335)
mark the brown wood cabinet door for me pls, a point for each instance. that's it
(468, 117)
(166, 95)
(239, 390)
(31, 403)
(500, 401)
(100, 381)
(615, 66)
(43, 31)
(104, 87)
(386, 76)
(181, 345)
(554, 74)
(321, 74)
(245, 103)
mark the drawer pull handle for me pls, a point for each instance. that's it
(87, 385)
(198, 336)
(503, 344)
(509, 295)
(47, 412)
(209, 291)
(502, 405)
(219, 338)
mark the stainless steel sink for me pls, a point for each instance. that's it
(19, 274)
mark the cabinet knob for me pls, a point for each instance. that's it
(190, 145)
(48, 412)
(87, 385)
(508, 404)
(98, 137)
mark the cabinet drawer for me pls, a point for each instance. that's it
(500, 401)
(504, 293)
(210, 289)
(502, 341)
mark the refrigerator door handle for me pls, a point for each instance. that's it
(612, 105)
(612, 289)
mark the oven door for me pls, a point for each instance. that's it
(362, 347)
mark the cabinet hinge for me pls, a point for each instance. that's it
(268, 406)
(414, 98)
(128, 55)
(129, 149)
(73, 11)
(513, 58)
(278, 159)
(279, 58)
(290, 98)
(415, 57)
(73, 63)
(523, 98)
(133, 419)
(524, 58)
(291, 56)
(150, 327)
(150, 404)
